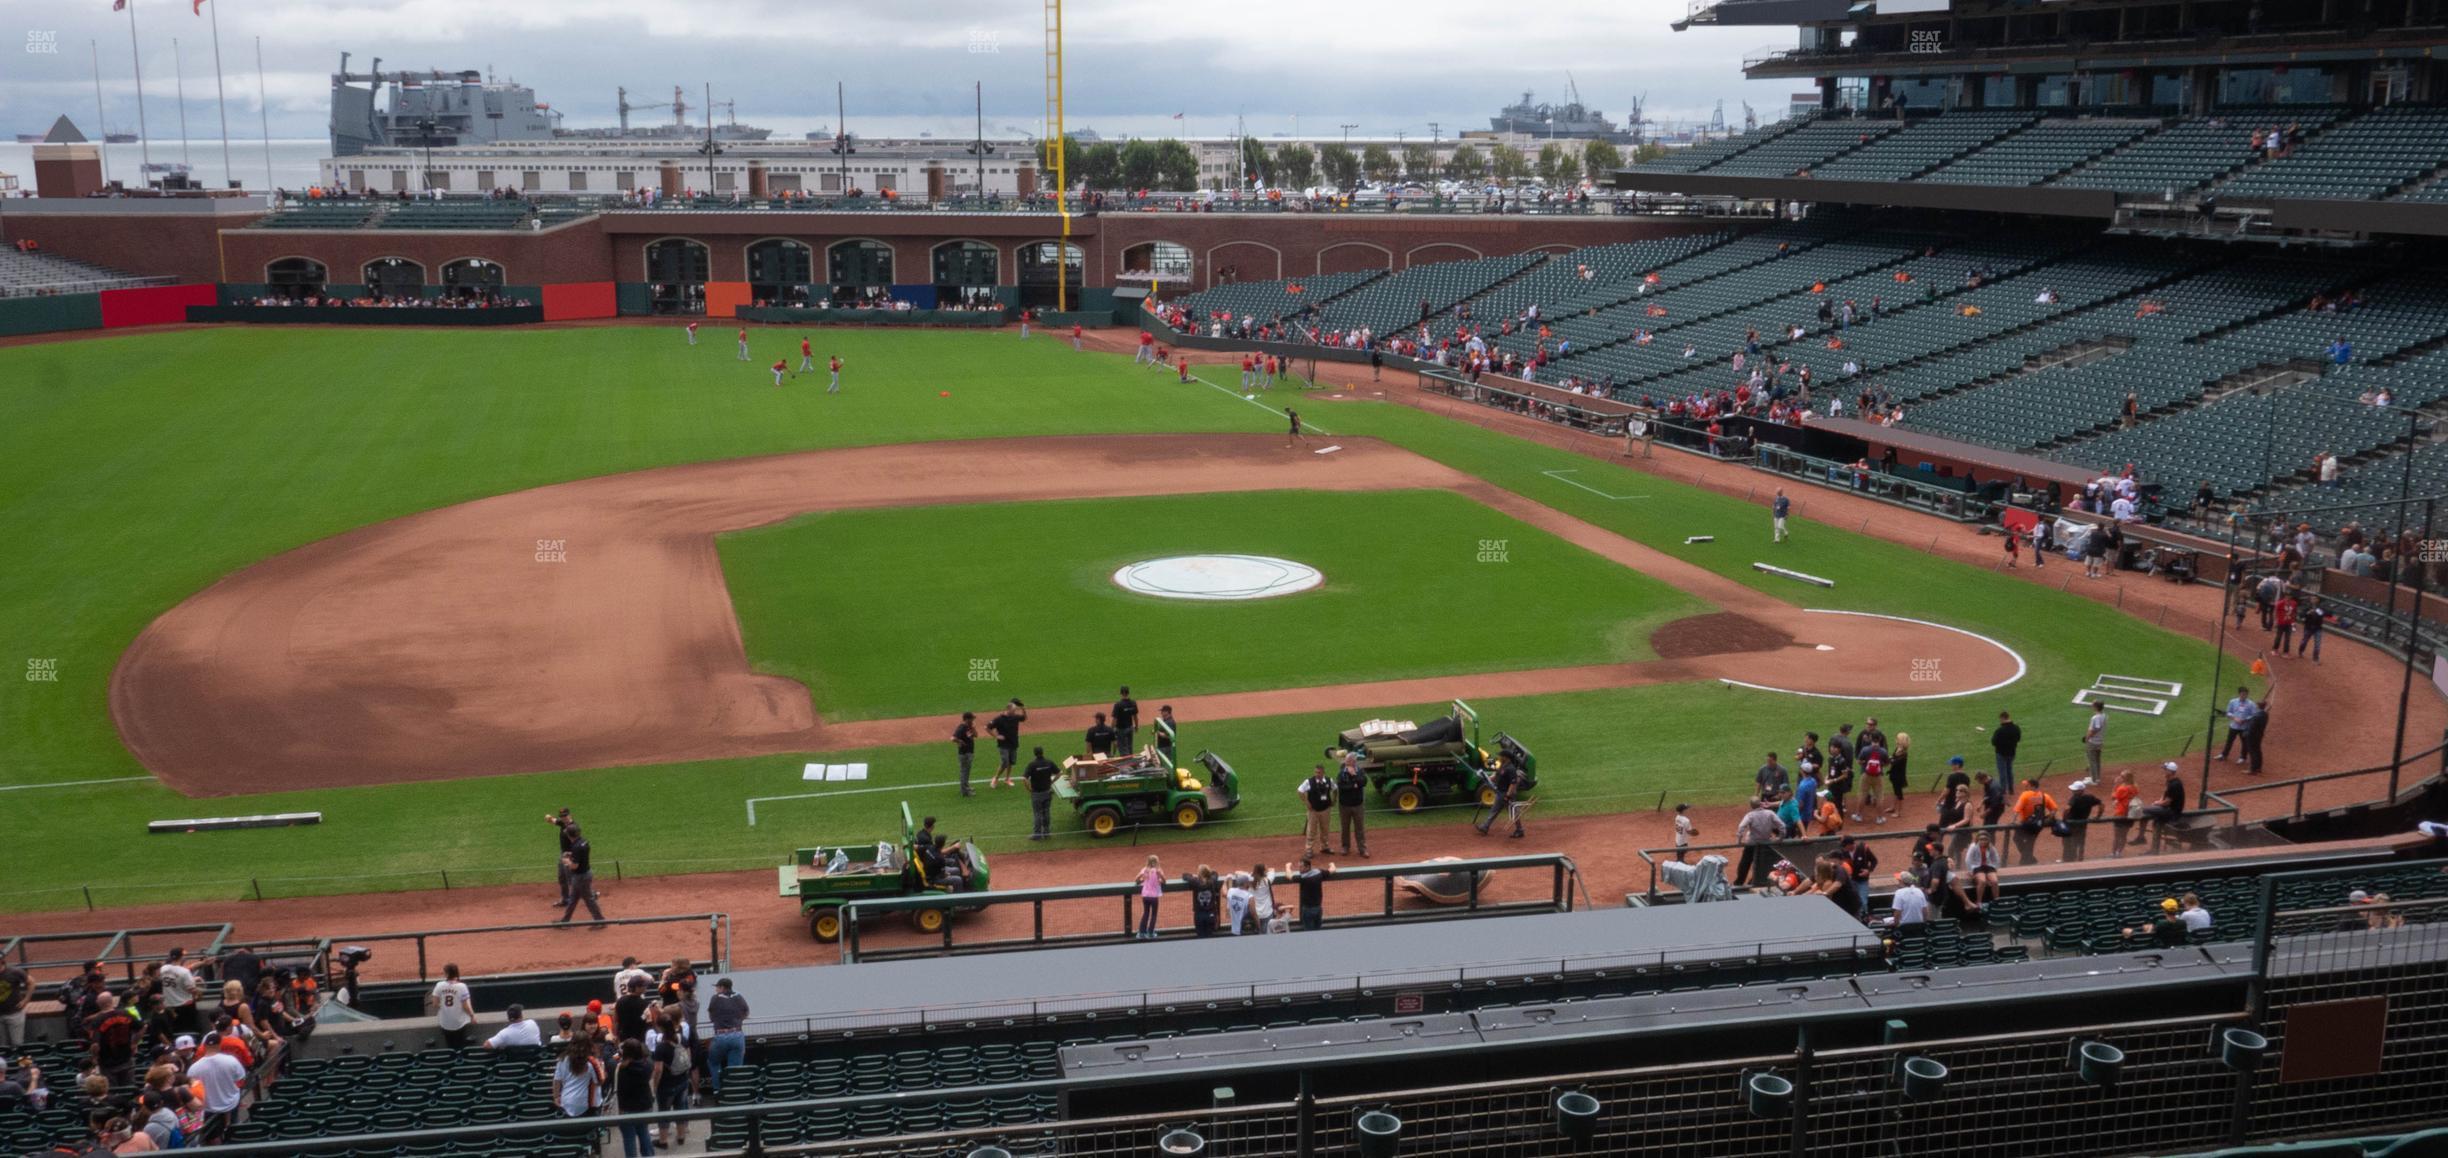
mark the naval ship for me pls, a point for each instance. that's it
(1538, 119)
(442, 109)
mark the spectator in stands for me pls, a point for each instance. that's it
(224, 1081)
(2035, 811)
(1756, 832)
(519, 1033)
(729, 1013)
(2240, 713)
(1151, 891)
(16, 989)
(2081, 806)
(671, 1048)
(2166, 929)
(633, 1092)
(110, 1037)
(1859, 862)
(1980, 863)
(1897, 757)
(629, 1013)
(1312, 884)
(178, 991)
(450, 1004)
(1955, 819)
(1910, 903)
(577, 1077)
(2170, 806)
(2120, 809)
(1205, 900)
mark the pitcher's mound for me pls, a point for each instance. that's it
(1716, 634)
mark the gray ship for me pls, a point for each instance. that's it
(1539, 119)
(417, 108)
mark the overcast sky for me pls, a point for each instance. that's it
(908, 64)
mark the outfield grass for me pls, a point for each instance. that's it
(887, 612)
(143, 468)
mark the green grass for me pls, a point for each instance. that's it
(141, 469)
(884, 612)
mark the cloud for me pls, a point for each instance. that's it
(908, 67)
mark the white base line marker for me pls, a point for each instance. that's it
(2020, 666)
(1558, 475)
(753, 801)
(1326, 449)
(72, 783)
(1306, 425)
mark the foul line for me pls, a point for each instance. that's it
(754, 800)
(1307, 427)
(72, 783)
(2020, 666)
(1558, 475)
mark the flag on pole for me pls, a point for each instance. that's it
(199, 7)
(1176, 116)
(118, 5)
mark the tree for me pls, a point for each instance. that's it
(1418, 161)
(1555, 166)
(1466, 164)
(1138, 164)
(1097, 166)
(1340, 165)
(1647, 151)
(1600, 159)
(1508, 163)
(1176, 166)
(1295, 164)
(1070, 157)
(1379, 162)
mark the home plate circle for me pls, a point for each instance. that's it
(1217, 577)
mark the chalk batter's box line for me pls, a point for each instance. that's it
(753, 801)
(2123, 683)
(2102, 697)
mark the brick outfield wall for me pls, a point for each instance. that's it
(187, 247)
(1223, 246)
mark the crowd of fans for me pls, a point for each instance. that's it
(170, 1057)
(381, 301)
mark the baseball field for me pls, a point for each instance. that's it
(434, 584)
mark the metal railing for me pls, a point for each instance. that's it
(1564, 877)
(1894, 847)
(2228, 795)
(1876, 482)
(1557, 405)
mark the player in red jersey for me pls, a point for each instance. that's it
(780, 366)
(834, 364)
(743, 344)
(692, 333)
(807, 355)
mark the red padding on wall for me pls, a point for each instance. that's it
(153, 305)
(579, 299)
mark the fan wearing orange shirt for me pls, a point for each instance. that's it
(2034, 810)
(2120, 807)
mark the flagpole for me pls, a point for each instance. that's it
(144, 139)
(264, 104)
(178, 67)
(101, 134)
(229, 171)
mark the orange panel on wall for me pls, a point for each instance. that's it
(724, 298)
